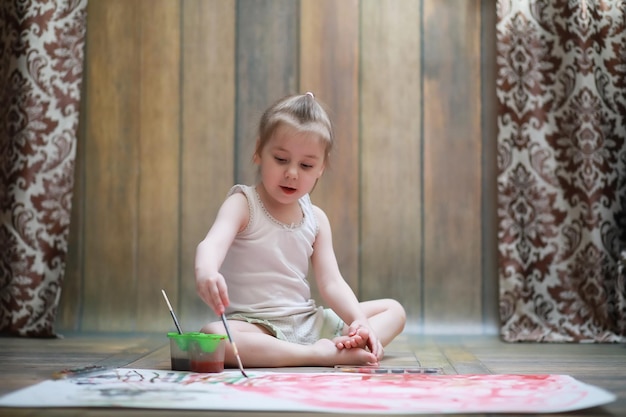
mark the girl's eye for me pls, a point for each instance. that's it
(306, 166)
(280, 160)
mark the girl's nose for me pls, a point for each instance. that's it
(291, 173)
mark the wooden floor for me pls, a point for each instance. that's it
(27, 361)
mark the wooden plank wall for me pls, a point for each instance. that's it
(173, 91)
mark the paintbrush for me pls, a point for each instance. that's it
(180, 331)
(232, 343)
(78, 372)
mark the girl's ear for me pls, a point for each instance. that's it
(256, 158)
(319, 175)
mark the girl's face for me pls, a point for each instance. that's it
(291, 163)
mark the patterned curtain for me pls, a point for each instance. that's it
(561, 88)
(42, 43)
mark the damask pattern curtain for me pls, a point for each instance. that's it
(561, 89)
(41, 42)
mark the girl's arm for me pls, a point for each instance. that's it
(232, 217)
(331, 284)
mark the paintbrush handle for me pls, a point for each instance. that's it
(169, 306)
(232, 344)
(180, 331)
(230, 338)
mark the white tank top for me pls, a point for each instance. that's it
(266, 266)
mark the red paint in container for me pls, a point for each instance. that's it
(207, 353)
(207, 366)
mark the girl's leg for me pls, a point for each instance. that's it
(258, 349)
(387, 318)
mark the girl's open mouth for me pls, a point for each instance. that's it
(288, 190)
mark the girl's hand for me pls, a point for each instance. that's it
(213, 291)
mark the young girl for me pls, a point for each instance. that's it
(253, 263)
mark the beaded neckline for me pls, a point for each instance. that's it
(286, 226)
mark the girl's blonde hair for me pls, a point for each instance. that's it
(304, 113)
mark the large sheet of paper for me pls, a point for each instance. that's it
(315, 392)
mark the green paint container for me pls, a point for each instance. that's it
(197, 352)
(179, 351)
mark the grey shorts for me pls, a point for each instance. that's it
(304, 329)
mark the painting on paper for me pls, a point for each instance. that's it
(315, 392)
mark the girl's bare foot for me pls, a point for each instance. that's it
(359, 340)
(330, 355)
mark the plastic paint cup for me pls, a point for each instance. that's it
(206, 352)
(179, 351)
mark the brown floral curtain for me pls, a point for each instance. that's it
(561, 88)
(41, 42)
